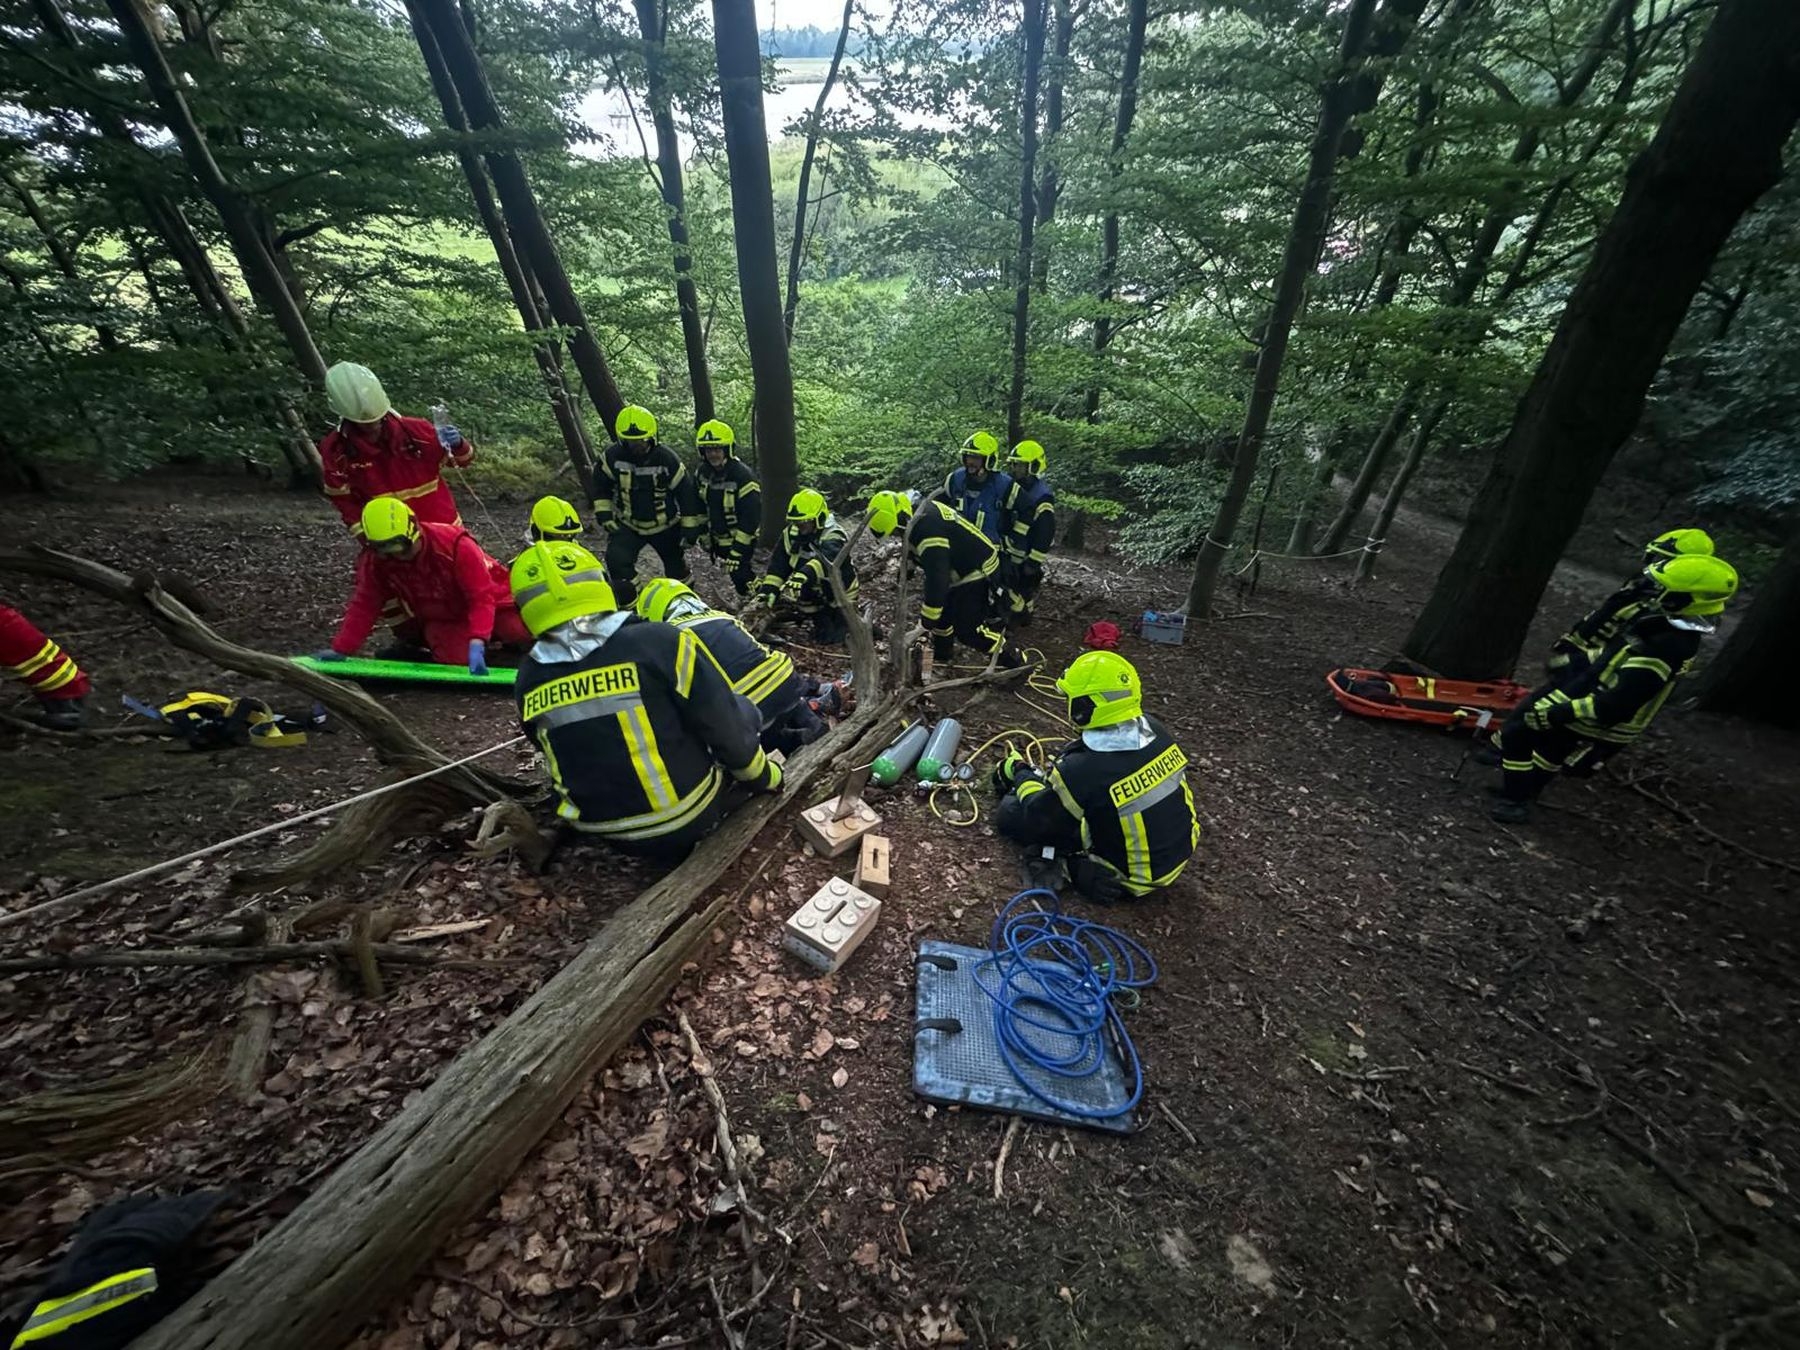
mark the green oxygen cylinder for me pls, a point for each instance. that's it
(939, 755)
(894, 761)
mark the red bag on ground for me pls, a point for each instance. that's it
(1102, 636)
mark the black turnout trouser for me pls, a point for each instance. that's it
(792, 728)
(1089, 878)
(968, 619)
(1022, 580)
(622, 548)
(1529, 759)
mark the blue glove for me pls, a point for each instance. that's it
(477, 657)
(329, 655)
(449, 437)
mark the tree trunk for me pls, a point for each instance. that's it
(1049, 187)
(544, 351)
(260, 272)
(1137, 15)
(1350, 91)
(59, 252)
(797, 250)
(1717, 151)
(652, 19)
(524, 220)
(1403, 476)
(1473, 273)
(1753, 674)
(1031, 34)
(753, 229)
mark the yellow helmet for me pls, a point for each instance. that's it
(634, 424)
(1103, 690)
(554, 518)
(1030, 454)
(982, 443)
(1676, 544)
(889, 511)
(554, 581)
(355, 394)
(714, 433)
(656, 595)
(1694, 583)
(387, 522)
(807, 506)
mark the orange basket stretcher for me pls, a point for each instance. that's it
(1453, 704)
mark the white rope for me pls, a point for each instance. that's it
(62, 902)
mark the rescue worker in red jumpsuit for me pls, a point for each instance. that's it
(47, 670)
(455, 598)
(375, 452)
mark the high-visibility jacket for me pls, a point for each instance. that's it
(982, 504)
(635, 721)
(733, 506)
(1030, 520)
(1627, 686)
(1594, 632)
(764, 677)
(645, 496)
(451, 582)
(1131, 811)
(401, 458)
(799, 561)
(28, 654)
(949, 551)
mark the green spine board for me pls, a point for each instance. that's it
(407, 672)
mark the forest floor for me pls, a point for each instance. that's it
(1392, 1100)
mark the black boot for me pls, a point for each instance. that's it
(62, 714)
(1506, 811)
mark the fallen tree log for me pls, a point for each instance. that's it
(352, 1245)
(272, 954)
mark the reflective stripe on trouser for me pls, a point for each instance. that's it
(968, 613)
(32, 656)
(1021, 592)
(56, 1315)
(1529, 759)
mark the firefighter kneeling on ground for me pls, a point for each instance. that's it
(635, 720)
(764, 677)
(1115, 804)
(958, 563)
(451, 596)
(1608, 708)
(797, 578)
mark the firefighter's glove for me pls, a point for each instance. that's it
(1547, 713)
(1006, 772)
(477, 657)
(770, 782)
(1558, 661)
(330, 654)
(449, 437)
(767, 596)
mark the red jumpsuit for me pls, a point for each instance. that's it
(451, 592)
(48, 671)
(402, 458)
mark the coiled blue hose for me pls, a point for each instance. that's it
(1061, 977)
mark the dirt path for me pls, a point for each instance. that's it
(1391, 1102)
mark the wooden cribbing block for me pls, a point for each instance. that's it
(872, 865)
(827, 928)
(831, 837)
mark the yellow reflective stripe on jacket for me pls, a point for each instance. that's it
(754, 770)
(56, 1315)
(647, 760)
(652, 824)
(407, 494)
(926, 545)
(686, 654)
(989, 564)
(45, 655)
(763, 680)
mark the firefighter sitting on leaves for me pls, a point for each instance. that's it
(1610, 705)
(977, 490)
(764, 677)
(1030, 525)
(1115, 804)
(797, 578)
(958, 563)
(733, 503)
(1575, 651)
(644, 498)
(638, 725)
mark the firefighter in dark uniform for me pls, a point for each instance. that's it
(643, 497)
(958, 563)
(554, 518)
(1115, 804)
(977, 490)
(638, 726)
(764, 677)
(733, 500)
(1575, 651)
(1029, 521)
(1608, 707)
(796, 580)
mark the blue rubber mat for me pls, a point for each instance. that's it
(965, 1065)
